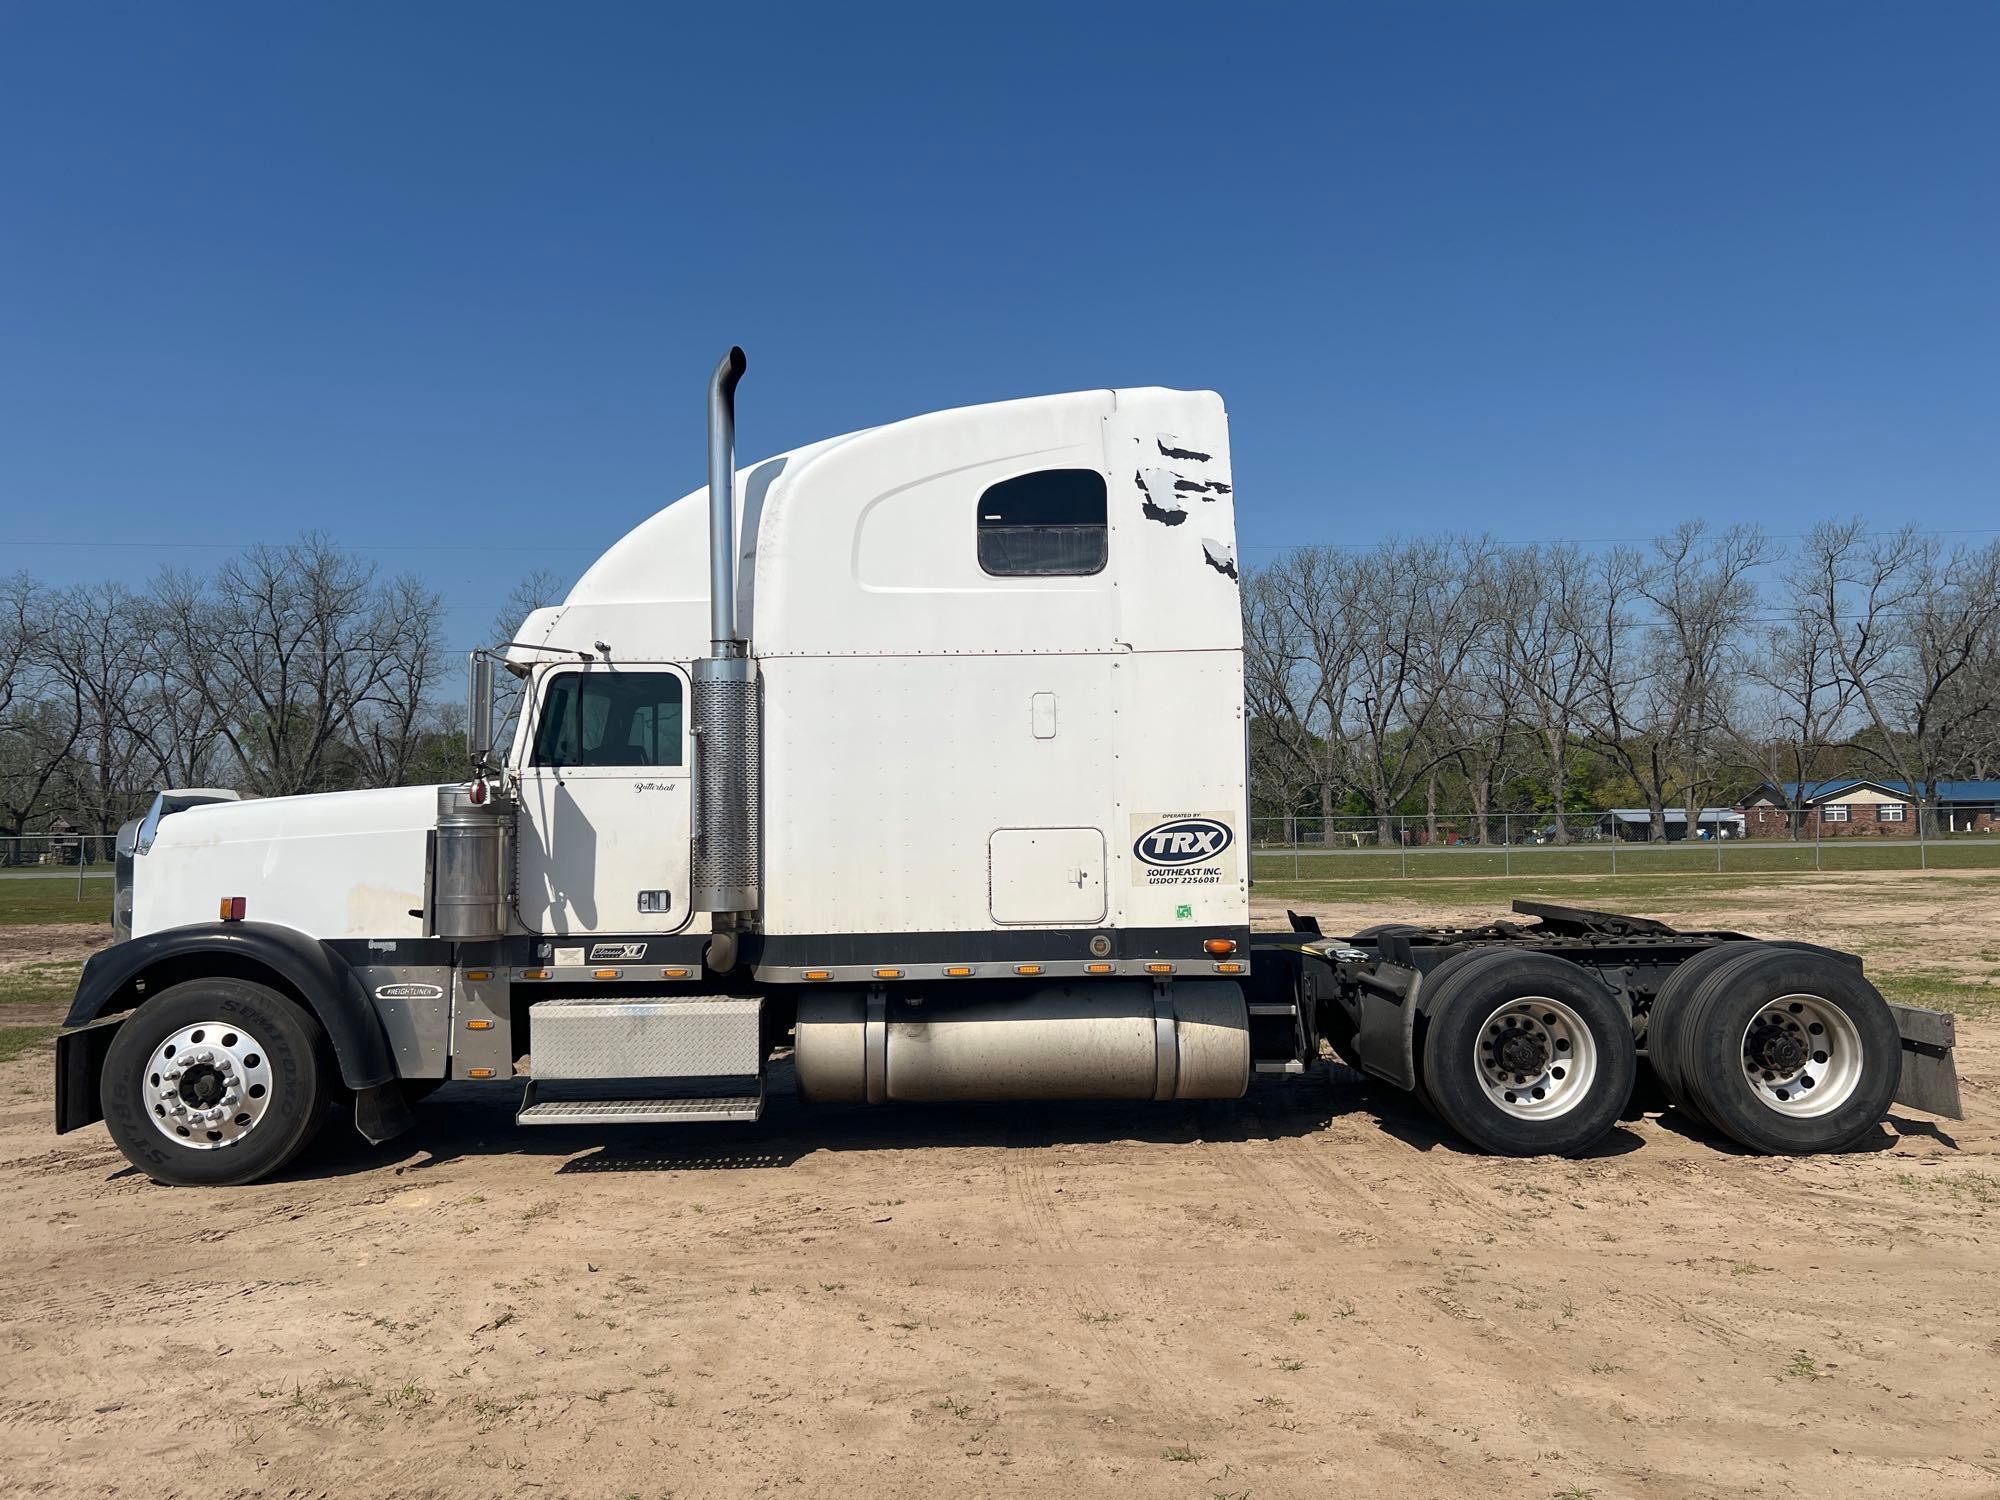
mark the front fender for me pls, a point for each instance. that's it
(313, 971)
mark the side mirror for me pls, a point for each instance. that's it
(479, 709)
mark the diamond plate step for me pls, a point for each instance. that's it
(646, 1036)
(643, 1111)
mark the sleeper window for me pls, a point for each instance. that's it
(1049, 524)
(610, 719)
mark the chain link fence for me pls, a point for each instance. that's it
(1614, 842)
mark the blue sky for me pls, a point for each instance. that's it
(447, 280)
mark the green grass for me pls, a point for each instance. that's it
(1748, 857)
(33, 900)
(1939, 991)
(40, 984)
(17, 1041)
(1620, 892)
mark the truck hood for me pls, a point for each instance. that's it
(335, 865)
(398, 809)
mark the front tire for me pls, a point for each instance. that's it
(215, 1082)
(1526, 1055)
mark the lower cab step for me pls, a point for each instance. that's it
(639, 1102)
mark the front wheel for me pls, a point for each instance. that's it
(1526, 1055)
(214, 1082)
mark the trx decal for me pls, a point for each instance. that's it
(1192, 849)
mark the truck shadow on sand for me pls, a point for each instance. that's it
(470, 1121)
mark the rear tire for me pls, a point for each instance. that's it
(215, 1082)
(1789, 1051)
(1524, 1054)
(1666, 1022)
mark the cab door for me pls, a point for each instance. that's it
(605, 801)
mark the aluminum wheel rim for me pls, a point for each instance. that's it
(1801, 1056)
(208, 1085)
(1535, 1057)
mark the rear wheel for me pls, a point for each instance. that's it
(215, 1081)
(1525, 1055)
(1789, 1051)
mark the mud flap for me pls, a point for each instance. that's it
(382, 1113)
(1930, 1076)
(79, 1068)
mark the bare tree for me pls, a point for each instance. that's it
(1299, 667)
(289, 646)
(1416, 613)
(1914, 626)
(41, 715)
(1804, 704)
(1547, 619)
(96, 645)
(538, 590)
(1660, 644)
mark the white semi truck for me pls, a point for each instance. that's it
(919, 753)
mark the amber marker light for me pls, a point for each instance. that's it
(1029, 969)
(888, 973)
(478, 1072)
(534, 973)
(476, 975)
(1219, 945)
(959, 971)
(232, 909)
(818, 974)
(1229, 968)
(478, 1025)
(1099, 968)
(1159, 968)
(605, 974)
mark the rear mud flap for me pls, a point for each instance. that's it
(1930, 1076)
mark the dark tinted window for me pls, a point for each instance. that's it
(1044, 524)
(610, 719)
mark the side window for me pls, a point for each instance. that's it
(1048, 524)
(610, 719)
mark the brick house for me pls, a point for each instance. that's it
(1851, 806)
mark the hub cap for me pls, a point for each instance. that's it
(208, 1085)
(1802, 1056)
(1535, 1058)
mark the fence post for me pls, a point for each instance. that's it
(1923, 840)
(1718, 851)
(1816, 841)
(1614, 846)
(80, 852)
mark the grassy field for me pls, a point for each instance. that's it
(53, 899)
(1739, 858)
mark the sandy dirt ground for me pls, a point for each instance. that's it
(1310, 1292)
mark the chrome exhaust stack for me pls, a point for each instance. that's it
(728, 853)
